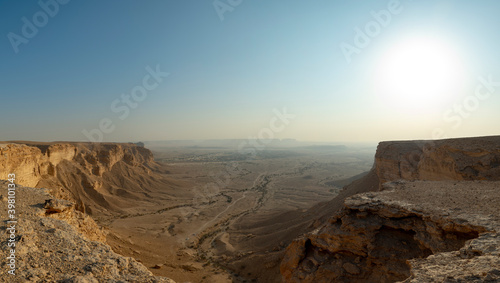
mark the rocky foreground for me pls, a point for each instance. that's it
(55, 238)
(435, 217)
(53, 242)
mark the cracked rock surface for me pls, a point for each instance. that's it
(56, 243)
(415, 231)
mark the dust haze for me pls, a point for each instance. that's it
(228, 214)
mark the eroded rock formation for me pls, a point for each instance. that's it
(34, 162)
(98, 177)
(452, 159)
(435, 218)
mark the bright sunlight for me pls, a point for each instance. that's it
(419, 74)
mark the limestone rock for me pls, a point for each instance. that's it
(453, 159)
(57, 205)
(435, 218)
(88, 174)
(51, 247)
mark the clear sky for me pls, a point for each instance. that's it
(345, 70)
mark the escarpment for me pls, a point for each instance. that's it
(434, 216)
(452, 159)
(34, 162)
(100, 178)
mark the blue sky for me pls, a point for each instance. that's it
(226, 77)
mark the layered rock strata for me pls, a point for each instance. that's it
(99, 177)
(435, 218)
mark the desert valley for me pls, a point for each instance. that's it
(310, 213)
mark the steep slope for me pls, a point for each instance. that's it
(274, 232)
(102, 178)
(451, 159)
(53, 242)
(111, 182)
(430, 204)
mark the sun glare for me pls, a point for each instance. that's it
(419, 74)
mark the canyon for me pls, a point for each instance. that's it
(427, 211)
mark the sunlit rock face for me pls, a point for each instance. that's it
(90, 174)
(454, 159)
(434, 217)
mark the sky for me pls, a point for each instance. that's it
(353, 71)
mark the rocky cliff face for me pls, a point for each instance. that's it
(454, 159)
(34, 162)
(435, 217)
(82, 172)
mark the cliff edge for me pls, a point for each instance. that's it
(50, 241)
(101, 178)
(432, 217)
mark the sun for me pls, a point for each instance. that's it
(419, 73)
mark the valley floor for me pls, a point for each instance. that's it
(234, 216)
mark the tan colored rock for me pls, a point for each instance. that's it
(441, 229)
(453, 159)
(22, 160)
(57, 206)
(88, 174)
(50, 248)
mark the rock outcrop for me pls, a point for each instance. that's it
(452, 159)
(99, 177)
(53, 242)
(434, 218)
(34, 162)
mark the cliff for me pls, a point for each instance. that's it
(452, 159)
(101, 178)
(53, 242)
(430, 214)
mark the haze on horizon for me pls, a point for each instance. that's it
(339, 70)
